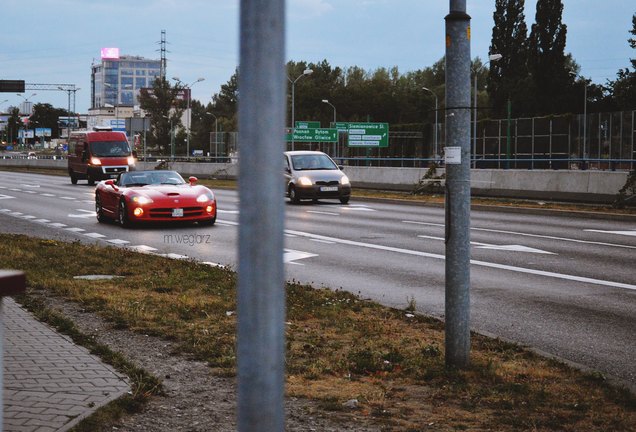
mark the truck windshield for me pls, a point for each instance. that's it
(110, 148)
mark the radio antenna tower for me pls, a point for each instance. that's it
(164, 61)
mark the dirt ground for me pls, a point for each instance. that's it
(195, 400)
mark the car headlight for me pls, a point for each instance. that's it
(141, 200)
(304, 181)
(95, 161)
(344, 180)
(131, 160)
(203, 198)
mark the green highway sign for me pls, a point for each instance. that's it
(367, 134)
(312, 135)
(307, 125)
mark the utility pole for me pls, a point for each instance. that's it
(457, 156)
(261, 273)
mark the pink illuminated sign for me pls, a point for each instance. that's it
(110, 53)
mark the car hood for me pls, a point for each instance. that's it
(168, 191)
(320, 175)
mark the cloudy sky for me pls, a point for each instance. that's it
(56, 41)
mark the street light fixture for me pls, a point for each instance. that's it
(491, 58)
(189, 115)
(433, 93)
(335, 145)
(216, 134)
(293, 83)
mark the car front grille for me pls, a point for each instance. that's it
(167, 212)
(327, 183)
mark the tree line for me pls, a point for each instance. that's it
(533, 77)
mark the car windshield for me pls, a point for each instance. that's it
(110, 148)
(313, 162)
(144, 178)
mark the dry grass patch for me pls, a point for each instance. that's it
(339, 347)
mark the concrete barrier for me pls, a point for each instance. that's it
(574, 185)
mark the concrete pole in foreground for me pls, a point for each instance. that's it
(261, 295)
(457, 156)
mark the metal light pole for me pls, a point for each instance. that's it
(436, 107)
(491, 58)
(189, 115)
(293, 83)
(334, 123)
(457, 157)
(26, 100)
(216, 134)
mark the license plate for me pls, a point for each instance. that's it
(328, 188)
(178, 212)
(113, 176)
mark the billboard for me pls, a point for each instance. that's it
(110, 53)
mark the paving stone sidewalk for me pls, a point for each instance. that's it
(50, 383)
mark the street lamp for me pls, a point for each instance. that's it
(293, 83)
(433, 93)
(68, 110)
(334, 123)
(491, 58)
(189, 87)
(216, 134)
(26, 100)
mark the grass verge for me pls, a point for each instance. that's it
(339, 347)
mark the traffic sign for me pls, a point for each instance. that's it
(312, 135)
(307, 125)
(368, 134)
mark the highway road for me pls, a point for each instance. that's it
(562, 284)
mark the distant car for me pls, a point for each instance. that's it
(32, 155)
(314, 175)
(154, 196)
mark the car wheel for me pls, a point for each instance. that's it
(293, 197)
(73, 178)
(99, 211)
(123, 214)
(209, 222)
(344, 200)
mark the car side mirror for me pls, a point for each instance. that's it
(341, 167)
(287, 170)
(111, 183)
(193, 180)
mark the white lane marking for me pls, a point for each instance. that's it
(29, 217)
(322, 212)
(89, 201)
(73, 229)
(31, 185)
(84, 214)
(212, 264)
(626, 233)
(508, 248)
(16, 214)
(6, 196)
(143, 248)
(47, 194)
(322, 241)
(42, 220)
(474, 262)
(292, 255)
(3, 187)
(118, 241)
(57, 225)
(228, 211)
(528, 235)
(30, 192)
(5, 210)
(94, 235)
(357, 207)
(15, 190)
(174, 256)
(290, 235)
(68, 198)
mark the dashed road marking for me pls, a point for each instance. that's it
(57, 225)
(94, 235)
(118, 241)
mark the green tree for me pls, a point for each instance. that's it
(547, 62)
(164, 106)
(45, 116)
(623, 88)
(14, 123)
(225, 103)
(508, 78)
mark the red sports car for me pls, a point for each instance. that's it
(154, 196)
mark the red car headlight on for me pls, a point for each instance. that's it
(204, 198)
(141, 200)
(95, 161)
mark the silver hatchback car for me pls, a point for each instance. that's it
(314, 175)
